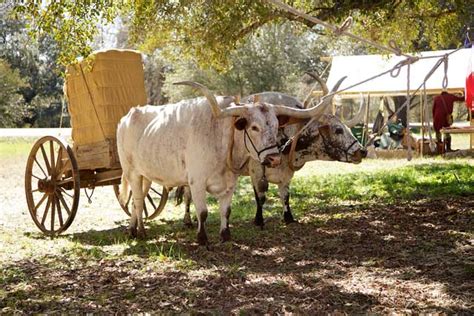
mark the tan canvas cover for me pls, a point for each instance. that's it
(100, 91)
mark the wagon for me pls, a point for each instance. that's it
(100, 91)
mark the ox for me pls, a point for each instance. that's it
(186, 144)
(324, 139)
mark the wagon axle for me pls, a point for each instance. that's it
(47, 186)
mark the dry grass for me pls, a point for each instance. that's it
(351, 255)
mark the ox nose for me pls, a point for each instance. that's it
(272, 160)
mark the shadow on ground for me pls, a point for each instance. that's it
(408, 256)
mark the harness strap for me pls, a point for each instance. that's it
(230, 149)
(259, 152)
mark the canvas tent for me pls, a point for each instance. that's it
(358, 68)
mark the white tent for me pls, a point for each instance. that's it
(359, 68)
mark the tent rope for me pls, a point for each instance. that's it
(394, 71)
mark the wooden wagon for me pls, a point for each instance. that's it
(100, 91)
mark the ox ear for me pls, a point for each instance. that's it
(285, 120)
(324, 130)
(240, 123)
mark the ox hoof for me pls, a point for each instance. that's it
(202, 239)
(225, 235)
(141, 234)
(288, 218)
(188, 223)
(258, 221)
(132, 232)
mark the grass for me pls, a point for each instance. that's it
(405, 227)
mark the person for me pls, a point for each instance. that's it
(442, 108)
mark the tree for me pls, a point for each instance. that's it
(11, 102)
(208, 30)
(35, 61)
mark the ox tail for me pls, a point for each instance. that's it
(124, 191)
(179, 195)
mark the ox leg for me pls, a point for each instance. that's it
(284, 192)
(260, 199)
(188, 222)
(224, 206)
(199, 198)
(136, 227)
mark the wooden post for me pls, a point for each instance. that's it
(366, 121)
(422, 118)
(472, 124)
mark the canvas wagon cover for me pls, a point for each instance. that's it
(100, 91)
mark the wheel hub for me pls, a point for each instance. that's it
(47, 185)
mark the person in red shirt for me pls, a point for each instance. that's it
(442, 107)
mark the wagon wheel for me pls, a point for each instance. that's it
(52, 176)
(154, 203)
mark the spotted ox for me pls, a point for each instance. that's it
(186, 144)
(326, 138)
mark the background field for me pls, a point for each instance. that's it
(381, 236)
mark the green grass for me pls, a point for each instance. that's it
(12, 147)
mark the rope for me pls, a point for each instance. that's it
(89, 197)
(342, 30)
(394, 72)
(407, 130)
(92, 101)
(425, 100)
(430, 73)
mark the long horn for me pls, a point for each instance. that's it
(320, 80)
(315, 111)
(216, 110)
(359, 117)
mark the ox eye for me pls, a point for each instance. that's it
(339, 130)
(255, 128)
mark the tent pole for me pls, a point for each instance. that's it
(365, 134)
(422, 118)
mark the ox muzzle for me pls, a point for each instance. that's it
(271, 154)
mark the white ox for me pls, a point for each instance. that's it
(186, 144)
(327, 138)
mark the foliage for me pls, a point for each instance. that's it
(11, 102)
(208, 30)
(274, 58)
(35, 60)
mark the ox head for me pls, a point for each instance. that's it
(259, 122)
(328, 139)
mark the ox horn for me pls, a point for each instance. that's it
(359, 117)
(216, 110)
(315, 111)
(320, 80)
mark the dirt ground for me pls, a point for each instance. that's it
(349, 257)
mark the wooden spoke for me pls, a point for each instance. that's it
(53, 210)
(64, 181)
(60, 216)
(64, 191)
(46, 161)
(36, 177)
(151, 201)
(54, 161)
(156, 191)
(51, 150)
(156, 202)
(61, 198)
(41, 201)
(60, 157)
(145, 209)
(46, 210)
(41, 168)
